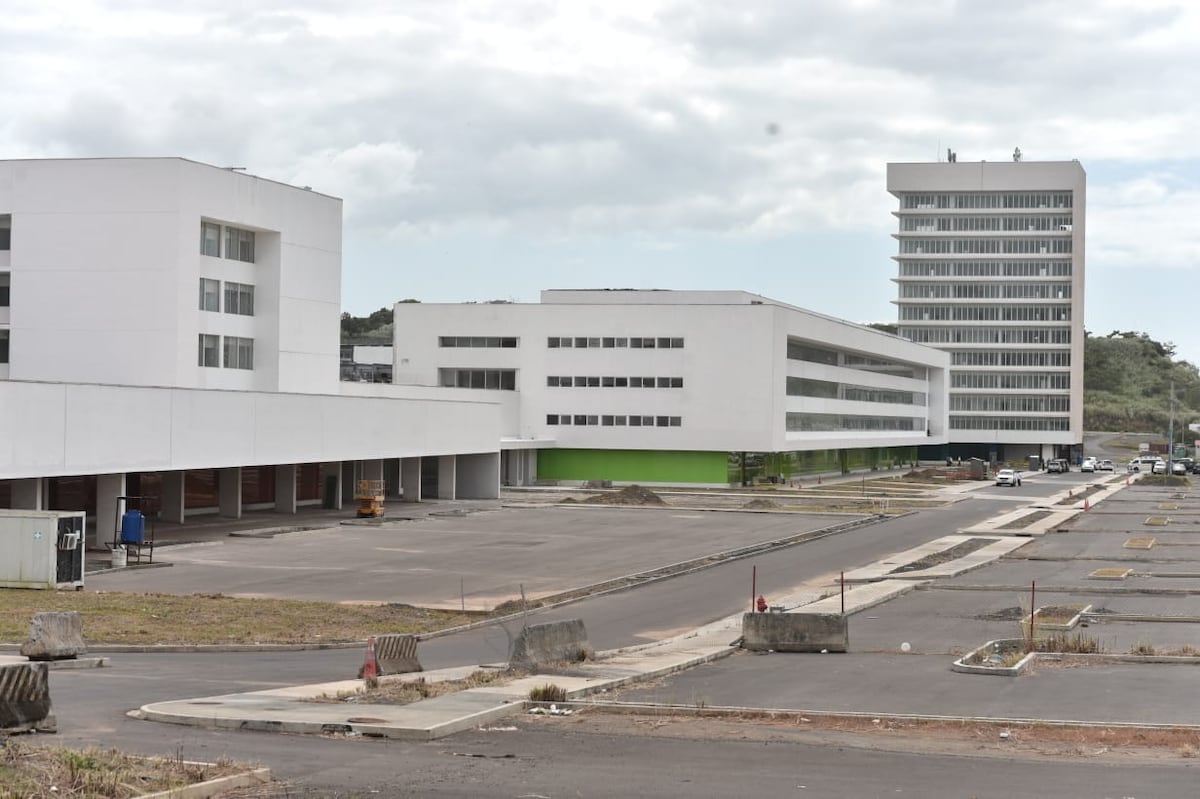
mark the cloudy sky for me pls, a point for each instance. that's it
(487, 149)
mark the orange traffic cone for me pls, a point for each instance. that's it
(1086, 505)
(370, 666)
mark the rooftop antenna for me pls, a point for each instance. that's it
(951, 156)
(1017, 154)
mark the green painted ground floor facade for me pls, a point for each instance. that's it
(710, 468)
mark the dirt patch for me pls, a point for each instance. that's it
(1022, 522)
(910, 735)
(1014, 613)
(629, 495)
(1077, 496)
(945, 556)
(762, 504)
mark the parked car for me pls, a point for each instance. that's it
(1058, 466)
(1159, 467)
(1179, 467)
(1088, 465)
(1008, 477)
(1105, 466)
(1145, 462)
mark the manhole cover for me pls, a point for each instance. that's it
(1110, 574)
(1140, 543)
(365, 720)
(1157, 521)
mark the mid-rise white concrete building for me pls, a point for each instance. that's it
(991, 270)
(707, 387)
(171, 329)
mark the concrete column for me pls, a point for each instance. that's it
(285, 488)
(172, 497)
(108, 488)
(29, 494)
(447, 467)
(331, 485)
(229, 492)
(478, 476)
(410, 479)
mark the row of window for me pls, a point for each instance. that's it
(609, 342)
(1007, 423)
(612, 420)
(238, 242)
(608, 381)
(834, 422)
(826, 389)
(1039, 199)
(239, 297)
(985, 269)
(986, 335)
(1006, 404)
(491, 342)
(237, 353)
(987, 313)
(986, 291)
(985, 246)
(493, 379)
(1019, 380)
(800, 351)
(1011, 224)
(976, 358)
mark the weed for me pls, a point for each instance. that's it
(1073, 644)
(1142, 649)
(547, 693)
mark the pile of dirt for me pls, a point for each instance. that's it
(1013, 613)
(629, 495)
(762, 504)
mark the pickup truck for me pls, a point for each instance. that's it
(1008, 477)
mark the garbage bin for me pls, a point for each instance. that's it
(133, 527)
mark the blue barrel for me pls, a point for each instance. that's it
(133, 527)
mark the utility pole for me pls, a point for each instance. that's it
(1171, 437)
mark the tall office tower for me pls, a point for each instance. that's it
(991, 269)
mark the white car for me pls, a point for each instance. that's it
(1088, 465)
(1145, 462)
(1104, 466)
(1160, 467)
(1008, 477)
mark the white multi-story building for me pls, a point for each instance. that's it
(991, 270)
(171, 329)
(708, 387)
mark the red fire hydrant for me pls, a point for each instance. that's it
(761, 603)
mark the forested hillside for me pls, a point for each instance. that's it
(1127, 380)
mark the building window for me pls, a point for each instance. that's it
(552, 418)
(3, 346)
(209, 348)
(210, 239)
(239, 299)
(210, 295)
(5, 231)
(239, 244)
(5, 280)
(239, 353)
(493, 379)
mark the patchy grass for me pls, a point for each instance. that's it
(158, 619)
(405, 692)
(41, 772)
(1066, 643)
(547, 693)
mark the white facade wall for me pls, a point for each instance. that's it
(57, 429)
(939, 284)
(105, 264)
(733, 365)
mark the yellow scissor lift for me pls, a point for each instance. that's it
(370, 499)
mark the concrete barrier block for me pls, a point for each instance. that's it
(553, 642)
(795, 632)
(55, 636)
(25, 698)
(397, 654)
